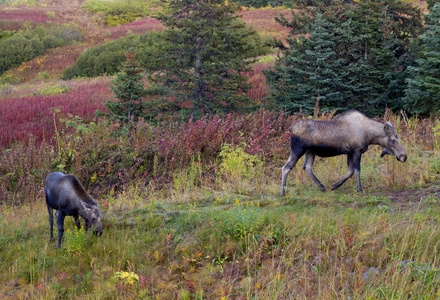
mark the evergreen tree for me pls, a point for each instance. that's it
(431, 3)
(129, 91)
(404, 20)
(208, 50)
(312, 71)
(422, 95)
(364, 70)
(372, 63)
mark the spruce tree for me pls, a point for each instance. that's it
(372, 64)
(431, 3)
(128, 89)
(422, 95)
(312, 70)
(364, 70)
(208, 49)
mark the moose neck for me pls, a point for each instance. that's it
(377, 134)
(84, 212)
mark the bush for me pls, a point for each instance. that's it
(239, 221)
(26, 45)
(108, 58)
(121, 12)
(5, 34)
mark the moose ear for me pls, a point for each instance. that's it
(388, 128)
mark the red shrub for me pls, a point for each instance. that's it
(21, 117)
(25, 15)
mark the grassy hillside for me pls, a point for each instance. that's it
(191, 210)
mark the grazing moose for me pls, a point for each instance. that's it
(349, 133)
(65, 194)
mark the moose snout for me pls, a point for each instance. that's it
(98, 230)
(402, 157)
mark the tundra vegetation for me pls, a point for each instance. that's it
(190, 209)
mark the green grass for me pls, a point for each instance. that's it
(229, 235)
(307, 245)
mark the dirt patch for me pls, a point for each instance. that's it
(410, 197)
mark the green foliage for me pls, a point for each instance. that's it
(422, 95)
(121, 12)
(128, 87)
(75, 241)
(208, 47)
(26, 45)
(238, 167)
(431, 3)
(108, 58)
(189, 178)
(239, 221)
(350, 59)
(52, 90)
(6, 34)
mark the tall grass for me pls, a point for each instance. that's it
(310, 245)
(186, 216)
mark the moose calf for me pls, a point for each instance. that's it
(65, 194)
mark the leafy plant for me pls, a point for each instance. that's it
(75, 241)
(239, 221)
(121, 12)
(109, 57)
(238, 167)
(129, 278)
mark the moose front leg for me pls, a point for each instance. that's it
(350, 165)
(50, 211)
(60, 225)
(357, 170)
(354, 166)
(307, 167)
(77, 222)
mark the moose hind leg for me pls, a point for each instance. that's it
(357, 170)
(291, 162)
(307, 167)
(350, 165)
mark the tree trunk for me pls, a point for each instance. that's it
(199, 88)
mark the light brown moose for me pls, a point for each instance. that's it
(349, 133)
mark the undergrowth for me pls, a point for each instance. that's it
(190, 211)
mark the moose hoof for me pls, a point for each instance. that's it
(334, 187)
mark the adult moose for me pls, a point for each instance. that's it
(349, 133)
(66, 194)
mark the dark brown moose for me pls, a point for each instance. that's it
(65, 194)
(349, 133)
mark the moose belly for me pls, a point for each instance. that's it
(327, 151)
